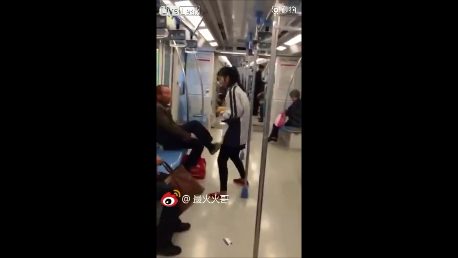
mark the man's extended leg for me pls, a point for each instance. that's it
(202, 134)
(199, 131)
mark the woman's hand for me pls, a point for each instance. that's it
(220, 110)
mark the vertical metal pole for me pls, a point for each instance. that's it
(171, 68)
(171, 77)
(268, 99)
(160, 61)
(253, 81)
(163, 63)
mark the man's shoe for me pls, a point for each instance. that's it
(183, 227)
(169, 250)
(272, 139)
(215, 147)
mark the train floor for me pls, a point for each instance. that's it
(281, 216)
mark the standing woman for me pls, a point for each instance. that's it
(237, 116)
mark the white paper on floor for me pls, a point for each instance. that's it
(227, 241)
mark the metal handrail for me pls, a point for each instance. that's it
(268, 100)
(253, 85)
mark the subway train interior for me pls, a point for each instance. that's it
(261, 40)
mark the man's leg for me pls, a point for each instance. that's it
(288, 123)
(202, 134)
(199, 131)
(163, 188)
(168, 222)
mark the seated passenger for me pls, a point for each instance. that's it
(169, 222)
(172, 136)
(294, 114)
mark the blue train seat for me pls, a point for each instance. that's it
(172, 157)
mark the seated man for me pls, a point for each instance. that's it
(172, 136)
(169, 222)
(294, 114)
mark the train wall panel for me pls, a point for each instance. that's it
(284, 68)
(205, 61)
